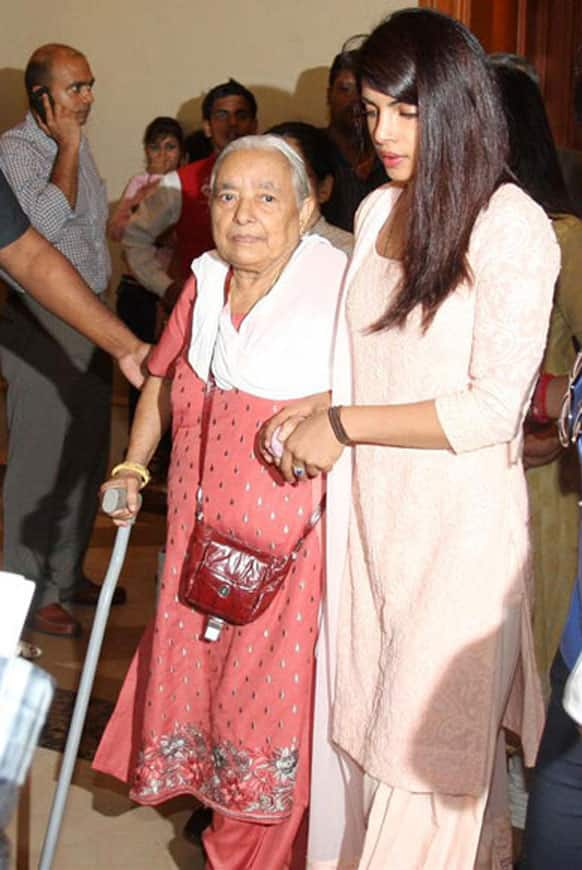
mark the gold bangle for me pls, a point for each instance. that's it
(136, 467)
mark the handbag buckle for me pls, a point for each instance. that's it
(213, 628)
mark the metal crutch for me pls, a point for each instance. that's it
(113, 499)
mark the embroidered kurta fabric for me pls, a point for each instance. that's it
(438, 557)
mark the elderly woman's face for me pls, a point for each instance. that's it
(255, 218)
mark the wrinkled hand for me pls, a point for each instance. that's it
(287, 419)
(538, 451)
(133, 365)
(130, 483)
(61, 124)
(312, 445)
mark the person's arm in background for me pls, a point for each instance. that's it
(135, 192)
(63, 126)
(543, 446)
(157, 213)
(568, 301)
(52, 281)
(43, 200)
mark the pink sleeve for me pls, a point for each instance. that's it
(136, 189)
(134, 184)
(515, 261)
(176, 334)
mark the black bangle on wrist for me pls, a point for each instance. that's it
(335, 420)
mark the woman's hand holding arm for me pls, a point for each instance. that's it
(287, 419)
(314, 446)
(311, 445)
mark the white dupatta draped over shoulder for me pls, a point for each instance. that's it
(283, 347)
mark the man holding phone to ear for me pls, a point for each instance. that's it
(59, 383)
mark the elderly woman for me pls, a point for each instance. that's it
(229, 721)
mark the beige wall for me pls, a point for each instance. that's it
(152, 58)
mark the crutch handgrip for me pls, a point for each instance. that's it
(115, 499)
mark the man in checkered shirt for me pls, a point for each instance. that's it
(59, 383)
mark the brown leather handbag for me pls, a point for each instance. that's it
(223, 576)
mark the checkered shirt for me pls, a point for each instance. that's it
(27, 156)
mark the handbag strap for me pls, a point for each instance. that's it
(209, 390)
(205, 428)
(311, 523)
(205, 415)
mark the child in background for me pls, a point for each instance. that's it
(164, 147)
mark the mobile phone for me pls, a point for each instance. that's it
(36, 101)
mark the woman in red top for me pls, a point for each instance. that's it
(229, 721)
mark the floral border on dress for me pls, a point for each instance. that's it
(240, 780)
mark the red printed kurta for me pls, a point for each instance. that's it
(225, 721)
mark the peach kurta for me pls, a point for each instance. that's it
(434, 629)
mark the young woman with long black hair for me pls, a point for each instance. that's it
(441, 334)
(553, 833)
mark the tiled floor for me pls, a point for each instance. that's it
(102, 828)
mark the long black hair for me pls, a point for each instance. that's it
(533, 157)
(427, 59)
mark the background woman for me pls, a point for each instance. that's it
(229, 722)
(446, 311)
(553, 475)
(553, 835)
(163, 148)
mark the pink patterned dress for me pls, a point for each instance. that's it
(227, 721)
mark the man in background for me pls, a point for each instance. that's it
(49, 277)
(356, 168)
(59, 383)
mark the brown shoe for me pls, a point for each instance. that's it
(87, 593)
(54, 619)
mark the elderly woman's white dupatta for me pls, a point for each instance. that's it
(282, 349)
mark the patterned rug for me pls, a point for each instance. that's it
(54, 733)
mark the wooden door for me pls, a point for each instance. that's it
(547, 32)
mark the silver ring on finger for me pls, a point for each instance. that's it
(298, 471)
